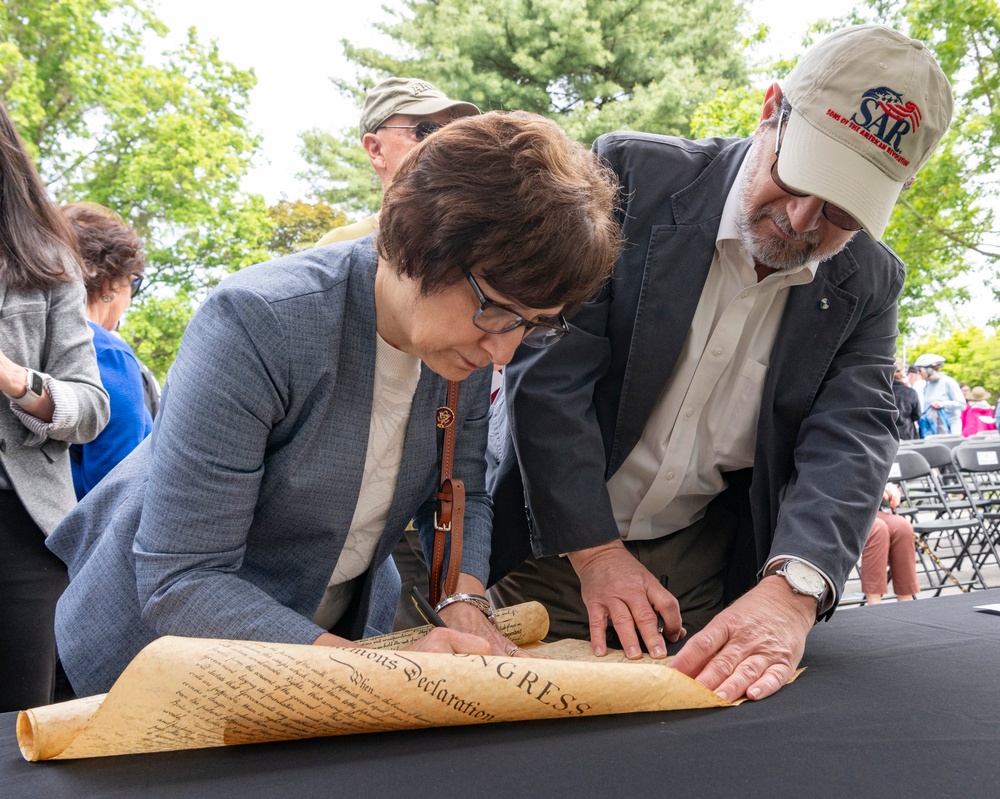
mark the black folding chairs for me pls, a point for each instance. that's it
(945, 524)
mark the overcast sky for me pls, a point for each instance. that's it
(294, 49)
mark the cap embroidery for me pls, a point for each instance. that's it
(883, 119)
(419, 88)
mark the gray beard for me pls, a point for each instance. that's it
(768, 249)
(771, 250)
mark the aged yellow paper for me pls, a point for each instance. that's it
(522, 624)
(187, 693)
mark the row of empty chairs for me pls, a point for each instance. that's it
(951, 495)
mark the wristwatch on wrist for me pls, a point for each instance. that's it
(803, 578)
(36, 384)
(480, 603)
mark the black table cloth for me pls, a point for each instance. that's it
(899, 700)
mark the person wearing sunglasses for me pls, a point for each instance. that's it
(297, 433)
(398, 114)
(719, 416)
(113, 264)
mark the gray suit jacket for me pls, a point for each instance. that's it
(825, 434)
(229, 519)
(47, 331)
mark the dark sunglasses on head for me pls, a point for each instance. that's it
(421, 130)
(136, 285)
(835, 215)
(492, 317)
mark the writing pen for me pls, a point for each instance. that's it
(659, 618)
(424, 608)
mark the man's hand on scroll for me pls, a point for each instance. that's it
(752, 647)
(616, 587)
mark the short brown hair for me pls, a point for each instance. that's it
(110, 249)
(513, 196)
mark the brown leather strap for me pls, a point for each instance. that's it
(450, 505)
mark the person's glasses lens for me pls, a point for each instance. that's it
(497, 319)
(424, 129)
(136, 285)
(834, 214)
(541, 337)
(840, 218)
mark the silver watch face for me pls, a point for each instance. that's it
(36, 383)
(804, 578)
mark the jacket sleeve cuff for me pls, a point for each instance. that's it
(65, 416)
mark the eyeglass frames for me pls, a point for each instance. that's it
(835, 215)
(136, 285)
(421, 130)
(492, 317)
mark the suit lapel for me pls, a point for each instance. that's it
(672, 282)
(350, 406)
(816, 318)
(677, 264)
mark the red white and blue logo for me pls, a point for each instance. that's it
(884, 119)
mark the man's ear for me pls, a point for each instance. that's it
(373, 146)
(772, 101)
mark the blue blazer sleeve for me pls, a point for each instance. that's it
(227, 389)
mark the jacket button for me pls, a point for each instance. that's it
(3, 444)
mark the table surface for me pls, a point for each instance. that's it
(898, 700)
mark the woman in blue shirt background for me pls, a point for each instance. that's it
(113, 266)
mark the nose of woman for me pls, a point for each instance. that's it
(501, 346)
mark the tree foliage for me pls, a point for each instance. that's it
(298, 225)
(732, 113)
(162, 139)
(594, 65)
(154, 326)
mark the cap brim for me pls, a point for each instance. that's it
(435, 105)
(815, 164)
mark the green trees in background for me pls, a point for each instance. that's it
(163, 140)
(594, 65)
(298, 225)
(682, 68)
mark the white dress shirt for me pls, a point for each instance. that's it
(705, 422)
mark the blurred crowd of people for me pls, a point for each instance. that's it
(931, 402)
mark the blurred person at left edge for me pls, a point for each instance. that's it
(53, 396)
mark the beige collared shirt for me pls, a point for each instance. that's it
(396, 377)
(705, 422)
